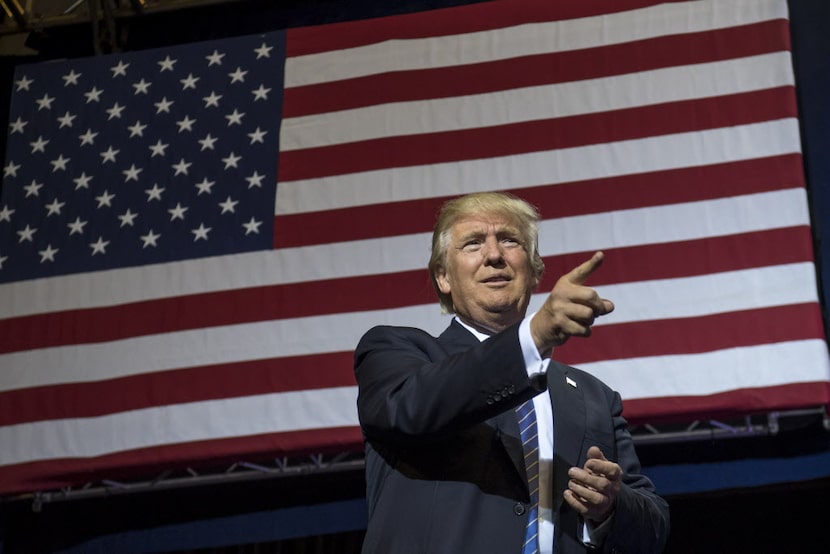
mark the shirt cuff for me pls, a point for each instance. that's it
(534, 363)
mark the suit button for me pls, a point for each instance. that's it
(490, 400)
(519, 509)
(505, 393)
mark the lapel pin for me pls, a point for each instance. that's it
(570, 381)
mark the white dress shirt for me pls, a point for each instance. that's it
(535, 364)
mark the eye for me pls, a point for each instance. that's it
(472, 245)
(511, 242)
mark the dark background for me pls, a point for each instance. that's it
(766, 493)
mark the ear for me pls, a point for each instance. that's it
(442, 280)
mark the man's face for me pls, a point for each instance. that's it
(488, 272)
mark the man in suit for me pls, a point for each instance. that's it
(446, 467)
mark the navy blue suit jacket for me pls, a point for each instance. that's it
(444, 464)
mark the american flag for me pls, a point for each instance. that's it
(193, 239)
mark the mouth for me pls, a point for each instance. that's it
(496, 280)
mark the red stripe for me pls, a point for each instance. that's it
(609, 342)
(147, 463)
(230, 380)
(539, 135)
(657, 261)
(536, 70)
(562, 200)
(735, 403)
(695, 335)
(450, 21)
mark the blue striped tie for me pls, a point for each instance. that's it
(530, 444)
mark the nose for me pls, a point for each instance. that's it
(493, 253)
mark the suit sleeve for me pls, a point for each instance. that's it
(641, 517)
(412, 388)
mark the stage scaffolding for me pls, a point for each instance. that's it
(645, 435)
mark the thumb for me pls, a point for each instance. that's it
(594, 453)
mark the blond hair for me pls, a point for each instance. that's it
(503, 204)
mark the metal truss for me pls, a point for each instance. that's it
(759, 425)
(30, 15)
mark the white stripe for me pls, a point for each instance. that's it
(596, 161)
(179, 423)
(537, 103)
(674, 222)
(766, 365)
(677, 222)
(529, 39)
(714, 293)
(668, 298)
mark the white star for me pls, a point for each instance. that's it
(252, 226)
(26, 234)
(150, 239)
(6, 214)
(59, 163)
(181, 167)
(258, 136)
(109, 155)
(255, 180)
(54, 207)
(232, 160)
(201, 232)
(66, 120)
(228, 205)
(261, 93)
(120, 69)
(235, 118)
(154, 193)
(207, 142)
(10, 170)
(39, 145)
(163, 106)
(48, 254)
(105, 199)
(93, 95)
(189, 82)
(70, 78)
(238, 75)
(263, 51)
(99, 246)
(33, 188)
(141, 87)
(186, 124)
(127, 218)
(137, 129)
(76, 226)
(45, 103)
(215, 58)
(88, 137)
(17, 126)
(177, 212)
(115, 111)
(23, 83)
(131, 174)
(212, 99)
(204, 186)
(167, 64)
(158, 148)
(82, 182)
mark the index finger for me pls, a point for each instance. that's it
(580, 273)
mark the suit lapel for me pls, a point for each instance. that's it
(569, 423)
